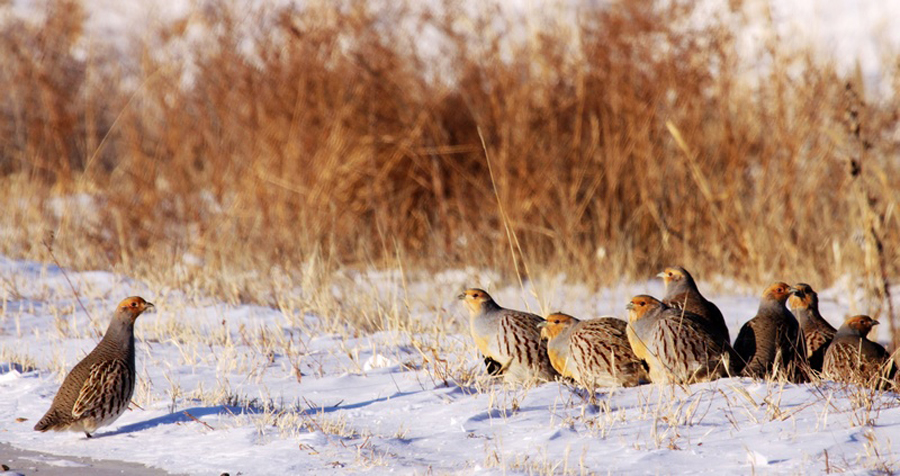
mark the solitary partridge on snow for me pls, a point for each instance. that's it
(676, 344)
(595, 353)
(772, 344)
(511, 338)
(98, 389)
(804, 303)
(682, 293)
(853, 358)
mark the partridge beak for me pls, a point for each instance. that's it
(543, 324)
(662, 274)
(875, 323)
(461, 296)
(148, 306)
(629, 306)
(795, 292)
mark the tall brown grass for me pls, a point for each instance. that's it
(618, 144)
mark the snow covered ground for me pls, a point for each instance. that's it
(254, 390)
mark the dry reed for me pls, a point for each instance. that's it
(619, 143)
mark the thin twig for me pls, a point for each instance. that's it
(192, 417)
(510, 234)
(93, 157)
(48, 244)
(312, 421)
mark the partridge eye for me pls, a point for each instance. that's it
(134, 304)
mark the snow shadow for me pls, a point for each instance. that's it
(312, 408)
(181, 416)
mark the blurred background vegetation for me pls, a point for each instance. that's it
(329, 137)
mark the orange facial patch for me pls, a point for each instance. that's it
(863, 324)
(639, 305)
(797, 302)
(779, 291)
(134, 304)
(672, 274)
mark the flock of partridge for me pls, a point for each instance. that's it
(680, 339)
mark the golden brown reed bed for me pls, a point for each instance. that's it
(618, 144)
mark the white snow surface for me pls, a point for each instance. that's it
(397, 416)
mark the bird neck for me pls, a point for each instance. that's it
(683, 286)
(808, 315)
(119, 335)
(644, 324)
(772, 306)
(847, 331)
(488, 306)
(560, 342)
(804, 315)
(563, 336)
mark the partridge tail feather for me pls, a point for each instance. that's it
(48, 422)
